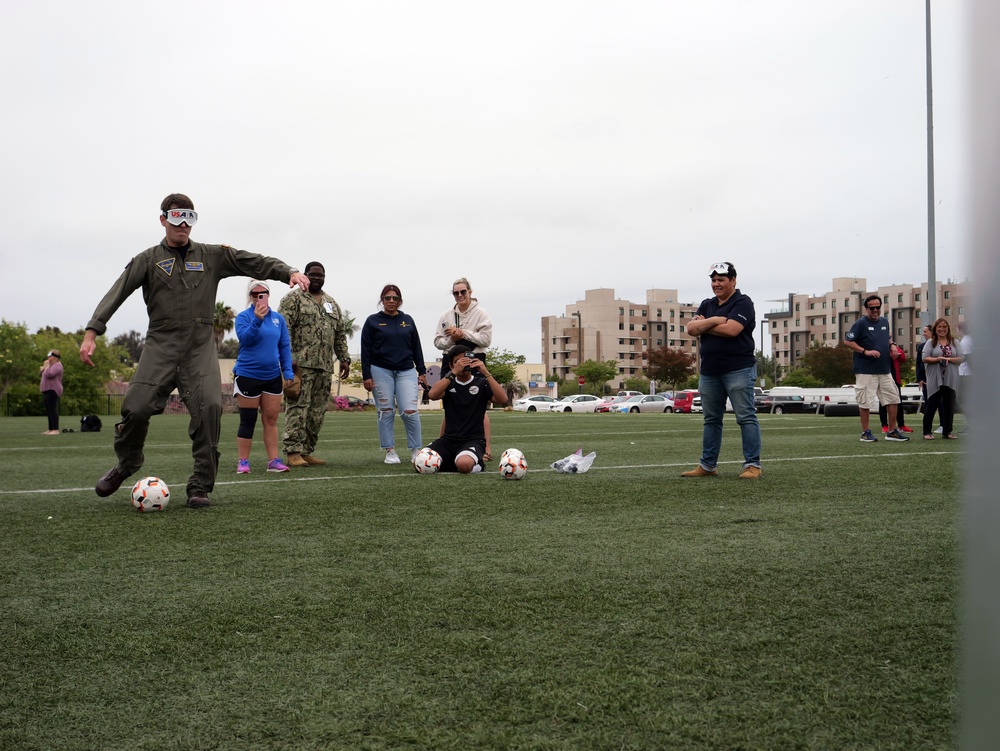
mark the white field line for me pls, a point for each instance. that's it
(398, 475)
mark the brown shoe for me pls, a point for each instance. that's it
(312, 460)
(296, 460)
(700, 471)
(751, 473)
(198, 500)
(109, 482)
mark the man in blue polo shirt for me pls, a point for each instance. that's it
(724, 325)
(871, 339)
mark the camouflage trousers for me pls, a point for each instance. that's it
(304, 416)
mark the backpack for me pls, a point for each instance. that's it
(90, 424)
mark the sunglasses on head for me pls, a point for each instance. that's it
(459, 292)
(720, 268)
(392, 298)
(177, 217)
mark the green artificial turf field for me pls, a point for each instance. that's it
(363, 606)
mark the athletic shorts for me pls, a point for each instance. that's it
(872, 390)
(251, 388)
(451, 450)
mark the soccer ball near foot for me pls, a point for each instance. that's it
(513, 465)
(427, 461)
(150, 494)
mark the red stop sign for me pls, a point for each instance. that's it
(581, 380)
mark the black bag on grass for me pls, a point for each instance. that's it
(90, 424)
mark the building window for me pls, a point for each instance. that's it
(672, 327)
(899, 332)
(621, 341)
(796, 307)
(899, 315)
(812, 306)
(947, 294)
(824, 306)
(659, 342)
(916, 297)
(621, 326)
(643, 312)
(784, 324)
(621, 311)
(833, 335)
(631, 312)
(947, 312)
(631, 327)
(899, 298)
(961, 311)
(833, 303)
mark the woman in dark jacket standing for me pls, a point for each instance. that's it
(392, 365)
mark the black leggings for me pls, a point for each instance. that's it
(51, 399)
(943, 399)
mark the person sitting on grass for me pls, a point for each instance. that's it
(465, 392)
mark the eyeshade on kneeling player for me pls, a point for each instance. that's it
(465, 392)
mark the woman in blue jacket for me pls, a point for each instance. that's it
(265, 357)
(392, 365)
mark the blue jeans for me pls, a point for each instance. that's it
(397, 388)
(737, 385)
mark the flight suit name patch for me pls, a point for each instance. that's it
(194, 266)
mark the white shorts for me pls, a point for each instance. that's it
(872, 390)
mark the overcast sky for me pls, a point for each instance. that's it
(539, 148)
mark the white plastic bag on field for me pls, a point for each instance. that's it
(576, 463)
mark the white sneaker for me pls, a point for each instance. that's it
(391, 457)
(939, 430)
(413, 455)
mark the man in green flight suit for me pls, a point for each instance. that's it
(318, 331)
(179, 281)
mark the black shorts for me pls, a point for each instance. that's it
(449, 450)
(251, 388)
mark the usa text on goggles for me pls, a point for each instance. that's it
(177, 217)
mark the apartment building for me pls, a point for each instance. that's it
(602, 327)
(827, 318)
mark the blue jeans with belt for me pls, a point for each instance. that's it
(737, 386)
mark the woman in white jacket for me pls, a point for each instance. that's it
(465, 323)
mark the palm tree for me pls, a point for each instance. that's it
(222, 322)
(352, 327)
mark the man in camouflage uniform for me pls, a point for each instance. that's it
(319, 333)
(180, 281)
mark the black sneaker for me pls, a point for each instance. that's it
(895, 435)
(198, 500)
(110, 482)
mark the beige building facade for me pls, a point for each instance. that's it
(603, 327)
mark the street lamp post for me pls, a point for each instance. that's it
(579, 342)
(579, 338)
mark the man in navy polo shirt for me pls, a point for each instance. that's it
(871, 339)
(724, 325)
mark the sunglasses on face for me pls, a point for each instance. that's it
(874, 307)
(459, 292)
(177, 217)
(391, 298)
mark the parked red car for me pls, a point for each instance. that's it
(682, 400)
